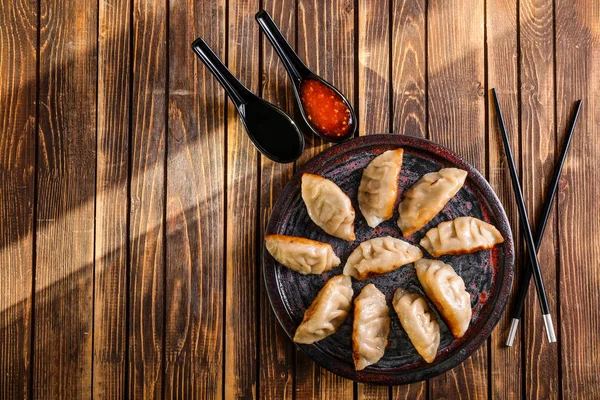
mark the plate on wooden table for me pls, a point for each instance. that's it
(488, 275)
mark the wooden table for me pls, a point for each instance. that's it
(133, 206)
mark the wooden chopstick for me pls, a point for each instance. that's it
(531, 252)
(524, 287)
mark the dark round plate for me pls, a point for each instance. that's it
(488, 275)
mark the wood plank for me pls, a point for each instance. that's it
(242, 289)
(18, 60)
(578, 222)
(456, 109)
(326, 43)
(374, 98)
(65, 208)
(112, 170)
(538, 157)
(409, 100)
(503, 74)
(413, 391)
(147, 253)
(276, 350)
(408, 67)
(373, 67)
(195, 207)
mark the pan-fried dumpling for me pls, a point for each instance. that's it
(327, 312)
(426, 198)
(462, 235)
(302, 255)
(447, 292)
(371, 327)
(379, 187)
(379, 256)
(419, 322)
(328, 206)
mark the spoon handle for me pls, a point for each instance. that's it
(238, 93)
(292, 63)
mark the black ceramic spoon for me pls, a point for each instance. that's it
(300, 73)
(271, 130)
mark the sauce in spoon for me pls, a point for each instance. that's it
(325, 109)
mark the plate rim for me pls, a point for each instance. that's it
(466, 349)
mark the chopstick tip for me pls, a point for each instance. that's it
(549, 328)
(512, 332)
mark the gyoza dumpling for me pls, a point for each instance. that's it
(328, 206)
(462, 235)
(419, 322)
(371, 327)
(447, 291)
(379, 256)
(327, 312)
(427, 197)
(379, 187)
(302, 255)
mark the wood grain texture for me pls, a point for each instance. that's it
(408, 67)
(326, 43)
(374, 99)
(408, 111)
(503, 74)
(112, 169)
(18, 43)
(242, 288)
(147, 253)
(365, 391)
(314, 382)
(414, 391)
(135, 133)
(195, 207)
(538, 156)
(373, 67)
(578, 77)
(276, 350)
(66, 169)
(456, 108)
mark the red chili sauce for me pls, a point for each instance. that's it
(325, 109)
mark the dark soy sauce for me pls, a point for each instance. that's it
(272, 130)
